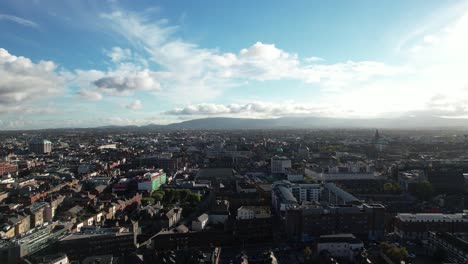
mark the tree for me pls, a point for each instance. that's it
(158, 195)
(424, 190)
(148, 201)
(184, 194)
(307, 253)
(169, 195)
(388, 187)
(193, 198)
(395, 253)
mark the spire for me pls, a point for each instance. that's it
(376, 135)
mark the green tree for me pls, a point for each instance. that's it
(148, 201)
(158, 195)
(396, 254)
(169, 195)
(194, 198)
(184, 194)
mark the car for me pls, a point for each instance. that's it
(412, 255)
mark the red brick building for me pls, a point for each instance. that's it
(6, 167)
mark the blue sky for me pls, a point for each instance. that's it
(92, 63)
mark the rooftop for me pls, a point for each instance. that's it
(339, 238)
(407, 217)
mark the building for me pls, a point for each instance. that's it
(280, 164)
(417, 226)
(200, 223)
(21, 223)
(306, 192)
(342, 246)
(380, 144)
(94, 241)
(252, 212)
(286, 194)
(409, 180)
(151, 181)
(245, 187)
(7, 168)
(253, 225)
(170, 218)
(283, 190)
(447, 179)
(215, 175)
(219, 212)
(59, 258)
(36, 210)
(121, 185)
(349, 171)
(303, 152)
(456, 247)
(11, 251)
(335, 195)
(309, 221)
(282, 198)
(163, 161)
(293, 175)
(40, 146)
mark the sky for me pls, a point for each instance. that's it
(72, 63)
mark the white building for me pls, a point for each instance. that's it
(200, 223)
(251, 212)
(306, 192)
(280, 164)
(40, 146)
(285, 194)
(340, 246)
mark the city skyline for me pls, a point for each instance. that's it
(79, 64)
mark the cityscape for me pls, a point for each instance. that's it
(233, 132)
(122, 195)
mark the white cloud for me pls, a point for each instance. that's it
(313, 59)
(416, 48)
(18, 20)
(430, 39)
(125, 79)
(254, 109)
(118, 54)
(90, 95)
(128, 83)
(206, 73)
(23, 81)
(135, 105)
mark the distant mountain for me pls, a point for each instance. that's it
(319, 122)
(220, 123)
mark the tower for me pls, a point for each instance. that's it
(376, 136)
